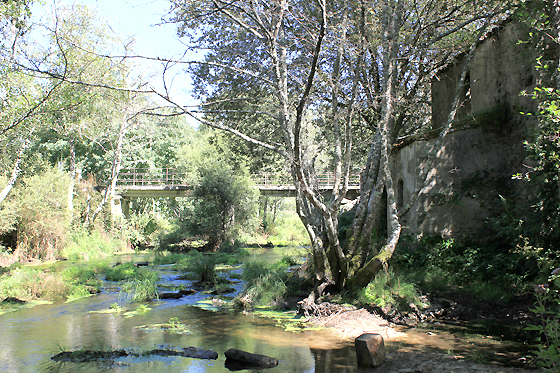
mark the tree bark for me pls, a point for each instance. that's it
(16, 170)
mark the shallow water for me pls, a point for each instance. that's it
(30, 337)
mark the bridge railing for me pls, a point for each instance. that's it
(150, 177)
(278, 180)
(138, 177)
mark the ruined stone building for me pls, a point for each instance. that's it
(478, 158)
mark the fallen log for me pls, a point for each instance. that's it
(238, 360)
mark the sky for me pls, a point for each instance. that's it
(141, 20)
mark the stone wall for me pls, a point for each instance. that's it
(474, 166)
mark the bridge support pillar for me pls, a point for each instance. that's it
(120, 206)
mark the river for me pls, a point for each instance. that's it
(31, 336)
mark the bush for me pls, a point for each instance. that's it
(547, 308)
(94, 244)
(435, 263)
(78, 275)
(224, 201)
(42, 215)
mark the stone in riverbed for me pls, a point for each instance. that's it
(370, 350)
(239, 360)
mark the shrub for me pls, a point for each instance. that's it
(42, 215)
(435, 263)
(224, 201)
(78, 275)
(94, 244)
(547, 308)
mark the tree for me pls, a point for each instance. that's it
(224, 199)
(283, 74)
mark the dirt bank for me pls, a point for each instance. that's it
(422, 350)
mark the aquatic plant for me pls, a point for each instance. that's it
(139, 290)
(129, 271)
(266, 283)
(174, 326)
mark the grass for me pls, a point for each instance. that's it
(166, 257)
(128, 271)
(139, 290)
(389, 289)
(32, 284)
(85, 245)
(266, 284)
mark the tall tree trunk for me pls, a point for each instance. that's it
(72, 177)
(16, 170)
(110, 192)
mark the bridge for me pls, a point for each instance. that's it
(168, 182)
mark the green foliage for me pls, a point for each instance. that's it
(141, 289)
(143, 230)
(435, 263)
(266, 284)
(287, 227)
(32, 284)
(92, 244)
(224, 202)
(542, 222)
(83, 276)
(173, 326)
(162, 258)
(389, 289)
(42, 216)
(547, 308)
(128, 271)
(203, 267)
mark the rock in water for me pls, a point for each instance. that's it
(237, 360)
(370, 350)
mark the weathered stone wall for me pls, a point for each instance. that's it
(476, 161)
